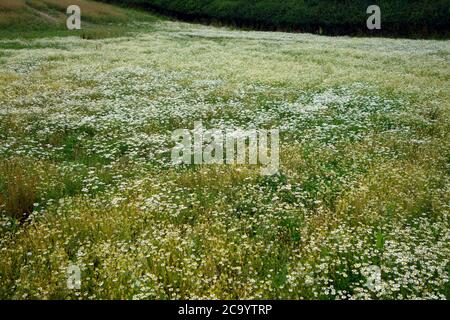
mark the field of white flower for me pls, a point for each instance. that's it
(86, 177)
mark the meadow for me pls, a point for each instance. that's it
(86, 179)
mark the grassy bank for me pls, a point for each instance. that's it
(40, 18)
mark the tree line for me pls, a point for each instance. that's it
(412, 18)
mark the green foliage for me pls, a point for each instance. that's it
(399, 17)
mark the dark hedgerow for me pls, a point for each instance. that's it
(416, 18)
